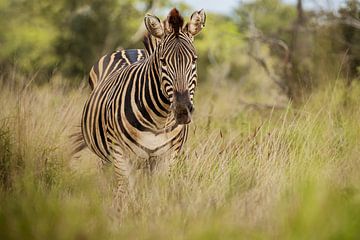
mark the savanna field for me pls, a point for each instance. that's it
(246, 172)
(273, 150)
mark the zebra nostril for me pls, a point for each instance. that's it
(191, 108)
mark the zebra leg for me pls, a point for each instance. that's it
(151, 165)
(171, 162)
(125, 174)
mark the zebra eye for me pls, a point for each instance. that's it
(194, 59)
(163, 62)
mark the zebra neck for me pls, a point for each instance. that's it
(150, 42)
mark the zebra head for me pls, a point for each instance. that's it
(176, 59)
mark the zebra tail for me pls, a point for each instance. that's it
(78, 142)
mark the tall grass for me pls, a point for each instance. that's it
(244, 173)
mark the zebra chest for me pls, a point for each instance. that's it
(153, 141)
(157, 144)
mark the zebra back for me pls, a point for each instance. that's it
(110, 63)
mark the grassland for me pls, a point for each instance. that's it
(245, 173)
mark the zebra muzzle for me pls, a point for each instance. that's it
(183, 108)
(183, 116)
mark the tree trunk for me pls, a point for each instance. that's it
(298, 75)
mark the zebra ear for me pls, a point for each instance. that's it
(197, 22)
(154, 26)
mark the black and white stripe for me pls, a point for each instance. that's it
(141, 100)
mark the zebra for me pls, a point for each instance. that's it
(141, 103)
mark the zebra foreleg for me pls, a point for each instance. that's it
(125, 176)
(150, 165)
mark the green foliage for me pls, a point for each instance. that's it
(27, 39)
(66, 37)
(63, 35)
(91, 29)
(271, 17)
(305, 45)
(220, 47)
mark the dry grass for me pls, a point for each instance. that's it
(245, 173)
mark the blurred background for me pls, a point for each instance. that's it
(275, 50)
(273, 151)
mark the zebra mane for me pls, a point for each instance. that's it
(175, 20)
(150, 42)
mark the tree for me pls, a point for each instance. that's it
(299, 80)
(64, 36)
(92, 28)
(349, 16)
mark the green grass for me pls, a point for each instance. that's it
(244, 174)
